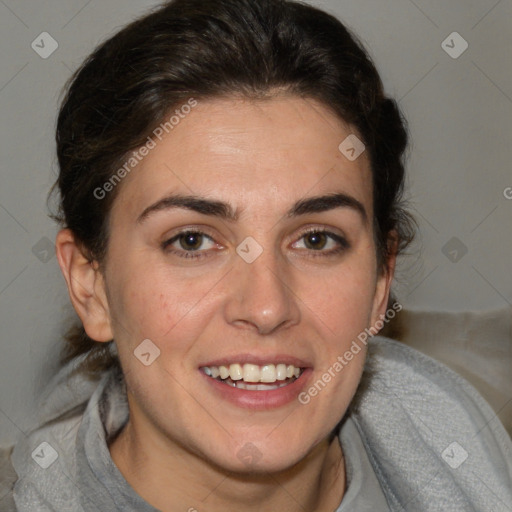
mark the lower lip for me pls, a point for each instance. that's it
(260, 400)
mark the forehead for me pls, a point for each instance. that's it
(266, 153)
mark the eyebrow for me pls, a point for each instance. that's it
(224, 210)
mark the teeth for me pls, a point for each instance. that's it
(224, 372)
(268, 373)
(252, 373)
(235, 371)
(281, 372)
(258, 387)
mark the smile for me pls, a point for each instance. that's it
(253, 377)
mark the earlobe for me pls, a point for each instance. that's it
(86, 287)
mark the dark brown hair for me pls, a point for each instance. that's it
(206, 49)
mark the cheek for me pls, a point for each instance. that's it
(151, 302)
(341, 299)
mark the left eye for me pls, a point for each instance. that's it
(320, 241)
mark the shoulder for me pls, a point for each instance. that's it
(44, 459)
(415, 377)
(44, 462)
(430, 435)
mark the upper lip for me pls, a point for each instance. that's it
(258, 359)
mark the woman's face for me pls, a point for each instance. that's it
(277, 267)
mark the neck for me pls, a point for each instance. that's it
(171, 478)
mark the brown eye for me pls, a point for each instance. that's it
(321, 243)
(191, 241)
(315, 240)
(188, 243)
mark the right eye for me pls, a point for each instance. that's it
(186, 243)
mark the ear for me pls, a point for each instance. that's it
(383, 284)
(86, 287)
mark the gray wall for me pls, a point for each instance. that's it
(459, 112)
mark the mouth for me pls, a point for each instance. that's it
(253, 377)
(264, 386)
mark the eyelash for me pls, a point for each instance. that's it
(343, 244)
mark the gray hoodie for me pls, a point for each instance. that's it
(417, 437)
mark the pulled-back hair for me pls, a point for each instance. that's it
(210, 49)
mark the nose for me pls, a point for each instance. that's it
(260, 295)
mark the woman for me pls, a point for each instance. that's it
(230, 178)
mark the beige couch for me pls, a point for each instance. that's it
(478, 346)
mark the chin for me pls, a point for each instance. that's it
(260, 458)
